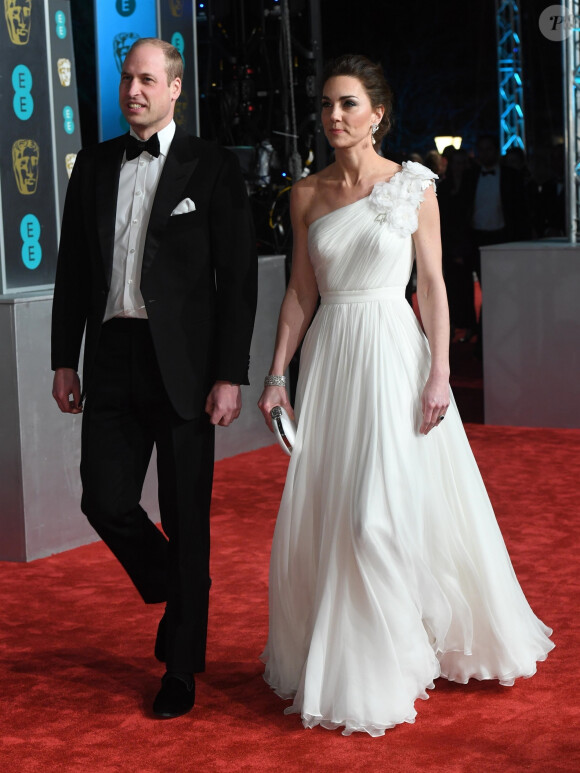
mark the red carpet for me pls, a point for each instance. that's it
(78, 673)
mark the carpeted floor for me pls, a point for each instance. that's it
(78, 673)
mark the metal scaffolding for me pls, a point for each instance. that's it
(571, 69)
(510, 77)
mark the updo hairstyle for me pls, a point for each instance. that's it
(373, 81)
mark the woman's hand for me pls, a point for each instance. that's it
(434, 402)
(271, 396)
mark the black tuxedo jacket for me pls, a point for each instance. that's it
(199, 276)
(513, 201)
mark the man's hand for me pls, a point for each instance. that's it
(66, 390)
(224, 403)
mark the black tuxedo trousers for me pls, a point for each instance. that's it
(127, 413)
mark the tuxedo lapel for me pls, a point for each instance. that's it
(177, 170)
(107, 184)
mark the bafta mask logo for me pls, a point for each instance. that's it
(121, 45)
(17, 14)
(64, 71)
(176, 7)
(25, 155)
(180, 115)
(69, 160)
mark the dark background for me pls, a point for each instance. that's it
(440, 59)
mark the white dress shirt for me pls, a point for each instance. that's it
(487, 210)
(137, 186)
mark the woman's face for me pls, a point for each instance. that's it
(347, 113)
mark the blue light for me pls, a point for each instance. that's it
(283, 174)
(510, 85)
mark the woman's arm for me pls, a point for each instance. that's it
(434, 310)
(299, 301)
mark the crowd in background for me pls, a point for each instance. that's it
(489, 199)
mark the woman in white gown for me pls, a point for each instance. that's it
(388, 568)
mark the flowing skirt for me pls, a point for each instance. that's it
(388, 568)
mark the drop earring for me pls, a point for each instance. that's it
(374, 129)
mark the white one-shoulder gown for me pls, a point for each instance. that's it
(388, 568)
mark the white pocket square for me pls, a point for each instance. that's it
(184, 207)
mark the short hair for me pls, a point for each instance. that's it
(371, 76)
(433, 161)
(489, 137)
(520, 153)
(173, 59)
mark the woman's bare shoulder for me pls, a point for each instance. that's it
(314, 181)
(305, 191)
(390, 168)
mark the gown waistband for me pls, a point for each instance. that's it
(363, 296)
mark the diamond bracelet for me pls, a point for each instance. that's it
(275, 381)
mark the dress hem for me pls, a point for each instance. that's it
(378, 729)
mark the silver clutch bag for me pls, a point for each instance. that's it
(284, 428)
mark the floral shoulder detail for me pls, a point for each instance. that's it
(398, 200)
(420, 172)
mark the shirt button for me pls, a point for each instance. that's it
(137, 193)
(135, 221)
(131, 251)
(130, 282)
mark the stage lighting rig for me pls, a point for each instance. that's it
(259, 65)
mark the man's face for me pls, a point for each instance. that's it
(147, 101)
(487, 152)
(17, 13)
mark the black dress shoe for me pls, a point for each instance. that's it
(160, 641)
(174, 698)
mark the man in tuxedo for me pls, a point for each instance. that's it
(497, 196)
(157, 266)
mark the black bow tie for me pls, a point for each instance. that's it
(487, 171)
(135, 147)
